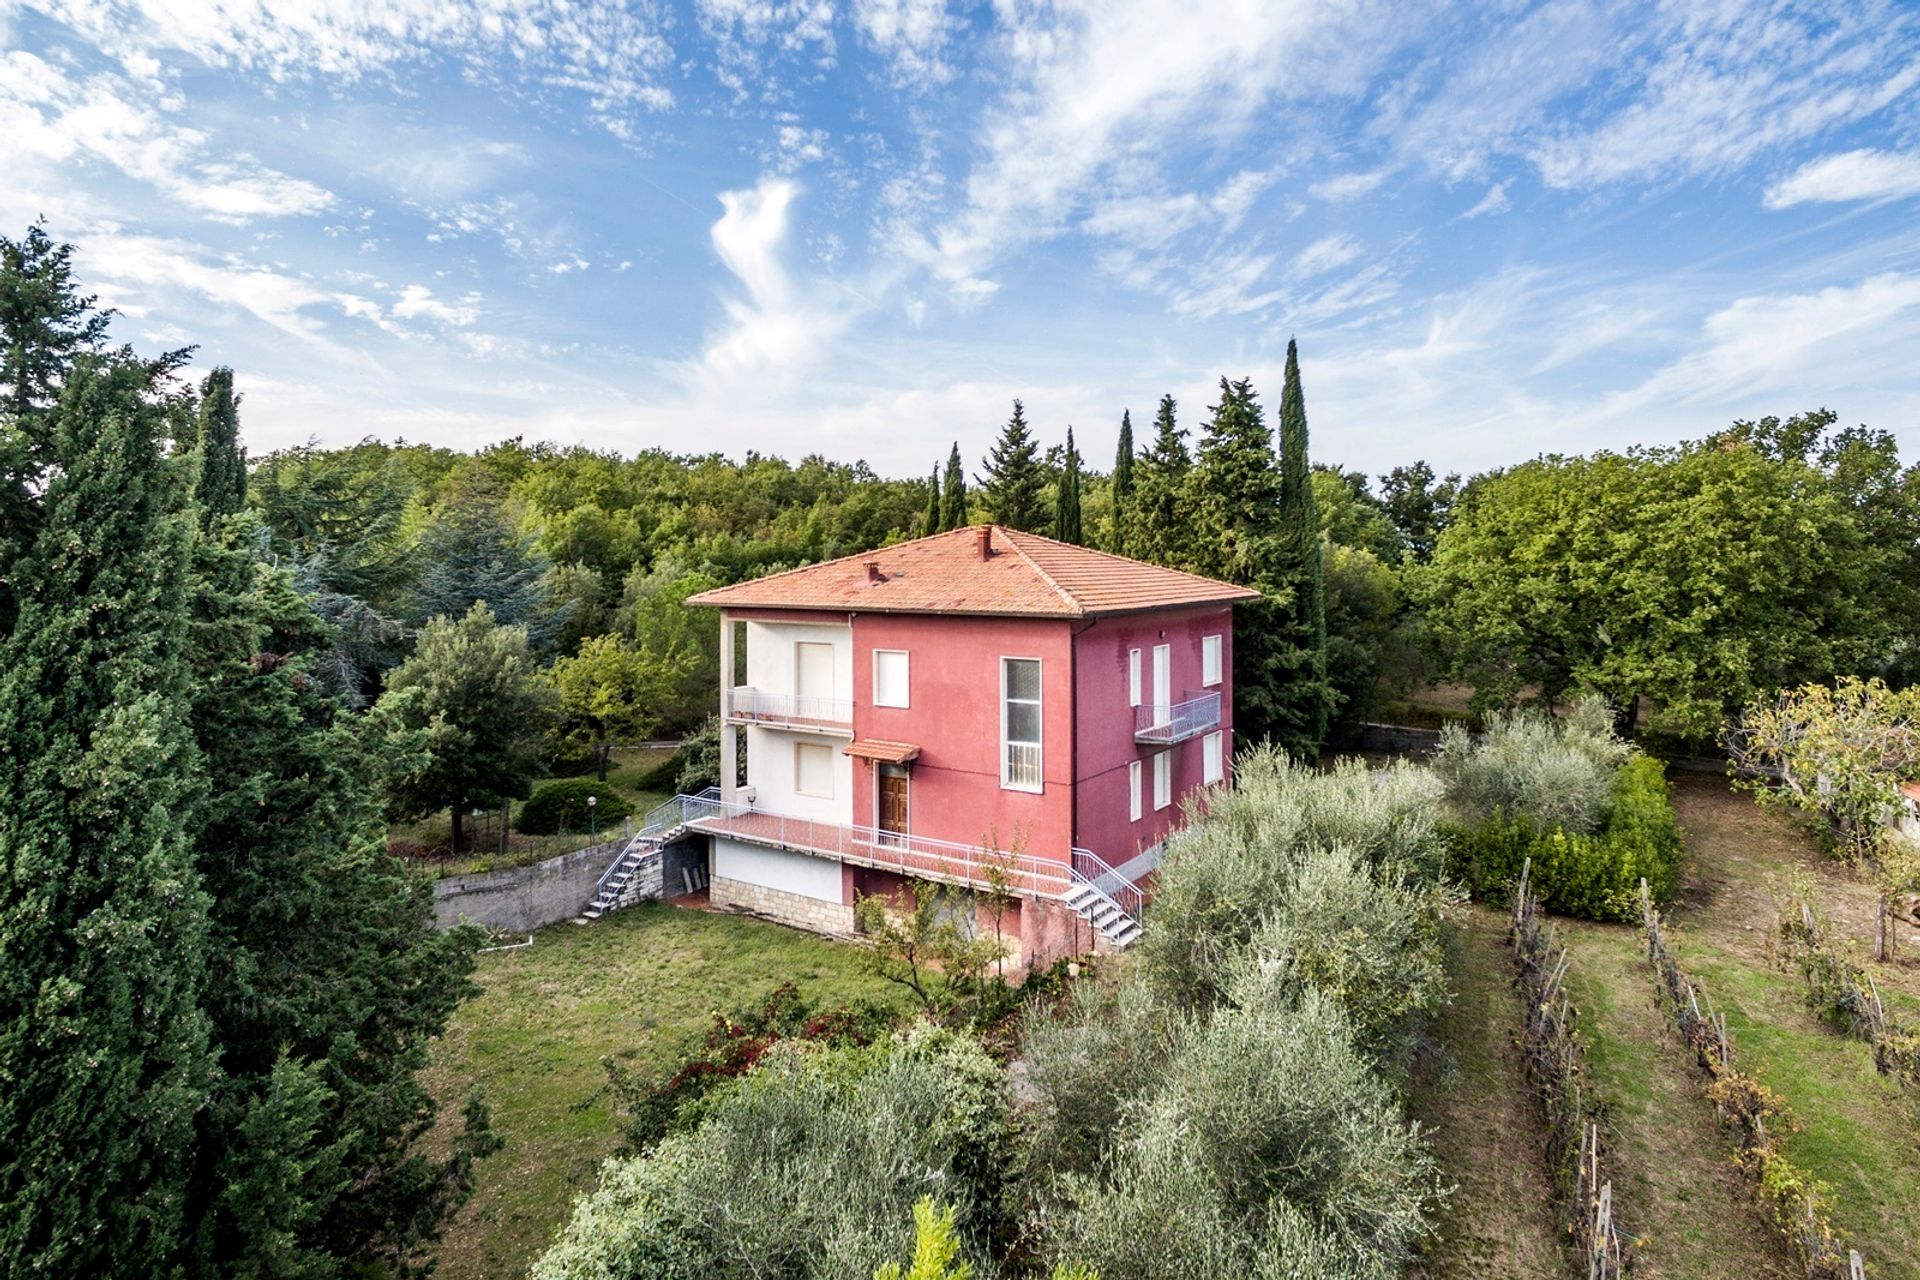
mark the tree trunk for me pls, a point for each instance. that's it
(1881, 932)
(601, 753)
(456, 830)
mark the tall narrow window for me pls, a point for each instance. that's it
(1213, 761)
(1133, 677)
(889, 678)
(1163, 780)
(813, 770)
(1133, 790)
(1162, 679)
(1209, 661)
(1020, 723)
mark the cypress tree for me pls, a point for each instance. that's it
(953, 496)
(1157, 522)
(1309, 698)
(1066, 502)
(103, 1048)
(930, 521)
(1012, 481)
(223, 462)
(1122, 486)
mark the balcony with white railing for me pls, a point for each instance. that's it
(1163, 724)
(911, 855)
(748, 705)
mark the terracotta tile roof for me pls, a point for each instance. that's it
(879, 749)
(1025, 576)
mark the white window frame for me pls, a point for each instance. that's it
(798, 773)
(1162, 780)
(906, 675)
(1213, 766)
(1211, 650)
(1007, 782)
(1133, 677)
(1133, 788)
(1162, 680)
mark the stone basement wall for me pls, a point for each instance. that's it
(795, 909)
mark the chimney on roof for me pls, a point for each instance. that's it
(986, 542)
(874, 576)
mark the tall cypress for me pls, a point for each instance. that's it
(930, 520)
(953, 496)
(1121, 486)
(222, 489)
(1012, 481)
(1157, 527)
(103, 1048)
(1066, 500)
(1309, 700)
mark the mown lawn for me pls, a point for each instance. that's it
(638, 986)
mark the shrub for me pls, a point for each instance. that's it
(1368, 942)
(1595, 877)
(1222, 875)
(1269, 1148)
(809, 1167)
(1080, 1064)
(562, 806)
(1532, 768)
(665, 776)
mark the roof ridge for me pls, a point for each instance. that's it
(1116, 556)
(851, 555)
(1034, 565)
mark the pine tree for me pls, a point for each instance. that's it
(1308, 699)
(953, 496)
(1157, 529)
(222, 490)
(473, 552)
(45, 323)
(1012, 482)
(1066, 502)
(1234, 490)
(930, 522)
(1121, 487)
(103, 1048)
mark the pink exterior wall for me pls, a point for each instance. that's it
(953, 679)
(1105, 732)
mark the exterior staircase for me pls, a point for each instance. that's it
(1104, 898)
(616, 887)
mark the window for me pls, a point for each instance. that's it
(889, 678)
(1020, 723)
(1215, 765)
(1133, 677)
(1162, 679)
(813, 770)
(1133, 788)
(1209, 661)
(1163, 780)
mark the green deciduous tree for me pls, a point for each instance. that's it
(1121, 487)
(473, 686)
(1681, 583)
(1419, 507)
(953, 494)
(1066, 503)
(104, 1048)
(1012, 482)
(612, 692)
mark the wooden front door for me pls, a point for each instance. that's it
(893, 800)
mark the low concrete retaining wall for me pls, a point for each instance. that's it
(521, 899)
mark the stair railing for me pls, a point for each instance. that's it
(1091, 870)
(660, 819)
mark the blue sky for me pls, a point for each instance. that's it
(861, 228)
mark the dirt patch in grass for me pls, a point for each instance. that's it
(1473, 1093)
(638, 985)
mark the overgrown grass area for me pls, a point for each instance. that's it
(425, 843)
(1471, 1092)
(638, 985)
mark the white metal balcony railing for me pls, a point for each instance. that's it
(911, 855)
(1161, 724)
(789, 710)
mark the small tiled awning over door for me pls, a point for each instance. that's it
(880, 751)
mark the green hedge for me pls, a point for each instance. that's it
(562, 806)
(1595, 877)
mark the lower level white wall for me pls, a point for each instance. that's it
(796, 873)
(770, 772)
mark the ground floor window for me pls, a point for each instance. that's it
(1212, 748)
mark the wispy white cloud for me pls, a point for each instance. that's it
(1864, 174)
(911, 35)
(1347, 186)
(1325, 254)
(417, 301)
(774, 328)
(1495, 201)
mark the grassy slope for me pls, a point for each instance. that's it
(637, 985)
(1473, 1094)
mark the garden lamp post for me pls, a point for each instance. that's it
(593, 823)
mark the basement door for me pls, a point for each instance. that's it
(892, 804)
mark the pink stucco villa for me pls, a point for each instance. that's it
(980, 699)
